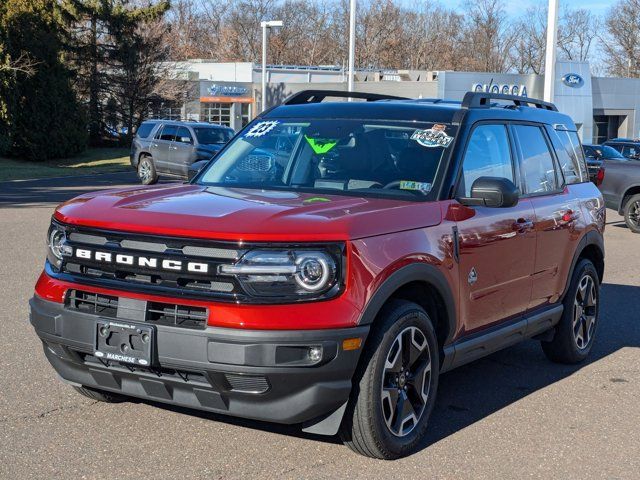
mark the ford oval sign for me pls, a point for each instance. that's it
(573, 80)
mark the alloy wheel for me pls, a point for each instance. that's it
(144, 170)
(584, 312)
(406, 380)
(634, 213)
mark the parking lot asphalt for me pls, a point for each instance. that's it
(510, 415)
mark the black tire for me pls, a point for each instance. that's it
(365, 428)
(100, 395)
(632, 213)
(147, 170)
(569, 344)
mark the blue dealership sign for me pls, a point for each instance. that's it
(573, 80)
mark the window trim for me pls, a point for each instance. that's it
(560, 180)
(515, 166)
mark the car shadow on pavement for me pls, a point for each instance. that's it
(475, 391)
(48, 192)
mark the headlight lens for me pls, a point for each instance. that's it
(296, 272)
(57, 243)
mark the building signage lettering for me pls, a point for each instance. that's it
(227, 90)
(505, 88)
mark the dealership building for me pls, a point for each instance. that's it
(230, 93)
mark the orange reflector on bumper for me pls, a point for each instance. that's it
(351, 343)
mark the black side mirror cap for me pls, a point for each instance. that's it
(495, 192)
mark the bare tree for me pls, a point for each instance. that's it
(621, 43)
(489, 37)
(527, 55)
(577, 33)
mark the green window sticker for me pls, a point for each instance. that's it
(410, 185)
(321, 145)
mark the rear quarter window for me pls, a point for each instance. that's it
(570, 155)
(145, 130)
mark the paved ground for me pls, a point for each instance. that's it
(511, 415)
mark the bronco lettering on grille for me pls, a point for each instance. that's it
(149, 262)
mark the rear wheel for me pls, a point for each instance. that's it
(632, 213)
(395, 386)
(147, 170)
(100, 395)
(575, 333)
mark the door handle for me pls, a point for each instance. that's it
(522, 225)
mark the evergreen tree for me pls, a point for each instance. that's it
(45, 116)
(111, 53)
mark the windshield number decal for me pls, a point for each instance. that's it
(433, 137)
(261, 129)
(411, 185)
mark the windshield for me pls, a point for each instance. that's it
(356, 157)
(212, 135)
(609, 152)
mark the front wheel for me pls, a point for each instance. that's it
(575, 333)
(632, 213)
(147, 171)
(395, 386)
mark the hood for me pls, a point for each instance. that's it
(210, 147)
(244, 215)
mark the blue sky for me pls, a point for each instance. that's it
(598, 7)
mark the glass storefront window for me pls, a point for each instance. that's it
(245, 114)
(216, 113)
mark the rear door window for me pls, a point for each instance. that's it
(536, 162)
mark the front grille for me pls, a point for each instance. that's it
(176, 315)
(137, 263)
(92, 303)
(157, 313)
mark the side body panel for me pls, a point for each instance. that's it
(497, 251)
(619, 176)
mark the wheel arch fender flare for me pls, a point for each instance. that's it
(592, 237)
(415, 272)
(630, 190)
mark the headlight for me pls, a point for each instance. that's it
(57, 243)
(286, 273)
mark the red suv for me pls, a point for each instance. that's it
(330, 263)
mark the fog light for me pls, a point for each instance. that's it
(315, 354)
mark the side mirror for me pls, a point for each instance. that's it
(495, 192)
(195, 168)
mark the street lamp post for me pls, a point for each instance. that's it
(550, 57)
(352, 43)
(265, 26)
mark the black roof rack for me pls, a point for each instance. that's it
(317, 96)
(483, 100)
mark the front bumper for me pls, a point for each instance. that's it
(246, 373)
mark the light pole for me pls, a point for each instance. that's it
(265, 26)
(352, 43)
(550, 57)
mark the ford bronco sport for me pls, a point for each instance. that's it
(330, 284)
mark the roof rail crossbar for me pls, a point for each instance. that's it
(317, 96)
(483, 100)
